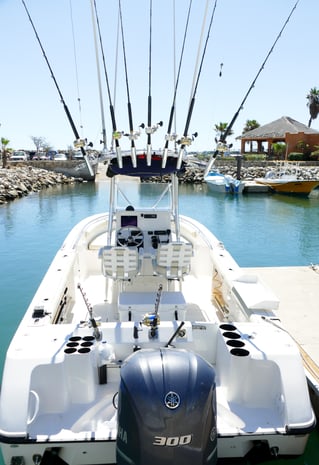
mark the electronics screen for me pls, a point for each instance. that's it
(128, 220)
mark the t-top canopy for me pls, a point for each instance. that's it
(142, 169)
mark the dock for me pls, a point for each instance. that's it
(252, 187)
(298, 291)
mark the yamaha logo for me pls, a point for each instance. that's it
(172, 400)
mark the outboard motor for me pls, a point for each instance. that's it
(166, 409)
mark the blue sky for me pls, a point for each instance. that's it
(241, 36)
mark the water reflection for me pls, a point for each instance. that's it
(259, 230)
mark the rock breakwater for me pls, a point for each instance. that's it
(194, 174)
(21, 181)
(17, 182)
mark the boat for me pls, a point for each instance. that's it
(71, 168)
(223, 183)
(146, 342)
(285, 180)
(290, 186)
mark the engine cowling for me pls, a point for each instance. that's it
(166, 409)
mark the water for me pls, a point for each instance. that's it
(259, 230)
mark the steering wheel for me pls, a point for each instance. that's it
(130, 237)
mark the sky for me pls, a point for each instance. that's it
(242, 34)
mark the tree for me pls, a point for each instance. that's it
(279, 149)
(5, 151)
(313, 104)
(249, 126)
(39, 142)
(220, 129)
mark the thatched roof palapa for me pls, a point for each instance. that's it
(284, 129)
(277, 129)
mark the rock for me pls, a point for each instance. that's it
(17, 182)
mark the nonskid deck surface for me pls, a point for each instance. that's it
(144, 296)
(81, 421)
(243, 402)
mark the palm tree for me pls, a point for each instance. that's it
(5, 151)
(313, 104)
(249, 126)
(220, 129)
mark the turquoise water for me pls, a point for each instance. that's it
(259, 230)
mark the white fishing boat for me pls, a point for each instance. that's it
(223, 183)
(146, 342)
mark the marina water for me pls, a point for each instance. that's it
(258, 230)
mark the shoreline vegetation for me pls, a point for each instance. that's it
(19, 181)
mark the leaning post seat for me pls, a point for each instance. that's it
(119, 263)
(173, 260)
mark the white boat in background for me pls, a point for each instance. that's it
(223, 183)
(146, 342)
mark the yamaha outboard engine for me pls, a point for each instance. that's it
(166, 409)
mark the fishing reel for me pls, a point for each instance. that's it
(133, 135)
(186, 140)
(151, 129)
(116, 135)
(152, 320)
(171, 137)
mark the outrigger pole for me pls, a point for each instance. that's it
(223, 137)
(115, 134)
(186, 140)
(169, 136)
(78, 142)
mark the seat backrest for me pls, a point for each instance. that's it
(119, 262)
(174, 258)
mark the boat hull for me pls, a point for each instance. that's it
(291, 187)
(63, 368)
(223, 184)
(71, 168)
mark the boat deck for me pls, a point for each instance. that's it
(298, 291)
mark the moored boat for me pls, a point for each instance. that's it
(290, 186)
(285, 180)
(223, 183)
(146, 339)
(71, 168)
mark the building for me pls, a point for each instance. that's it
(284, 129)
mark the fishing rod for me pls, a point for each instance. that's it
(99, 78)
(78, 142)
(115, 134)
(170, 137)
(186, 140)
(76, 67)
(133, 134)
(224, 135)
(149, 129)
